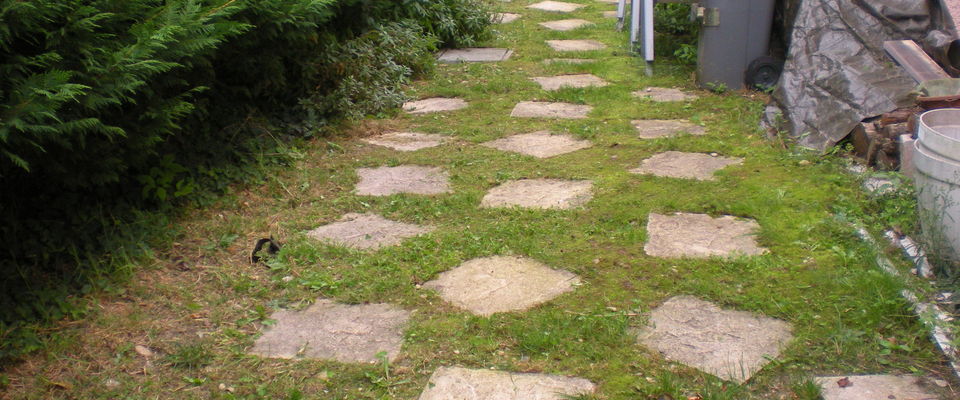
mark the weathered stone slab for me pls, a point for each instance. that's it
(872, 387)
(677, 164)
(504, 18)
(609, 14)
(732, 345)
(658, 128)
(541, 144)
(434, 104)
(366, 231)
(385, 181)
(455, 383)
(540, 193)
(569, 81)
(568, 60)
(475, 54)
(575, 45)
(608, 1)
(540, 109)
(406, 141)
(485, 286)
(700, 236)
(564, 25)
(556, 6)
(664, 94)
(331, 331)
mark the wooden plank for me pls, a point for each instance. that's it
(914, 60)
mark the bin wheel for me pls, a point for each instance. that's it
(763, 73)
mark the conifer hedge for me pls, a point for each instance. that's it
(113, 106)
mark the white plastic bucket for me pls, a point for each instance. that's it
(937, 180)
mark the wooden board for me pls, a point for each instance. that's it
(914, 60)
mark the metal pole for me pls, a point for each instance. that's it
(648, 30)
(634, 23)
(621, 8)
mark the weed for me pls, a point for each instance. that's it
(190, 356)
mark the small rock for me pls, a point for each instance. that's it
(804, 162)
(143, 351)
(111, 383)
(940, 382)
(287, 278)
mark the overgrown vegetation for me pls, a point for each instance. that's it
(110, 107)
(676, 32)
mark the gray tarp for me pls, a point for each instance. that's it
(837, 73)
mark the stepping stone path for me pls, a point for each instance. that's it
(366, 231)
(485, 286)
(659, 128)
(539, 109)
(332, 331)
(476, 54)
(541, 144)
(434, 104)
(568, 60)
(565, 24)
(406, 141)
(732, 345)
(609, 14)
(455, 383)
(556, 6)
(385, 181)
(872, 387)
(664, 94)
(700, 236)
(608, 1)
(504, 18)
(676, 164)
(575, 45)
(569, 81)
(540, 194)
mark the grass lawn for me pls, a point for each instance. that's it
(199, 305)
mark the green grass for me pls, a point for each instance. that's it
(202, 315)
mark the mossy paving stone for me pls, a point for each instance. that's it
(414, 179)
(569, 60)
(556, 6)
(700, 236)
(540, 194)
(475, 54)
(406, 141)
(677, 164)
(505, 18)
(551, 83)
(366, 231)
(332, 331)
(659, 94)
(609, 14)
(569, 45)
(541, 109)
(434, 104)
(564, 25)
(732, 345)
(659, 128)
(873, 387)
(485, 286)
(541, 144)
(456, 383)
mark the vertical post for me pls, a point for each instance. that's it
(647, 30)
(634, 23)
(621, 8)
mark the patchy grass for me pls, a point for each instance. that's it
(200, 304)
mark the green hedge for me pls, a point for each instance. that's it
(110, 107)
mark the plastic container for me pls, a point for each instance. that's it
(733, 34)
(937, 180)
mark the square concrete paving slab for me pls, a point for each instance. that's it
(406, 141)
(485, 286)
(732, 345)
(556, 194)
(658, 128)
(611, 14)
(569, 81)
(677, 164)
(556, 6)
(873, 387)
(540, 109)
(332, 331)
(476, 54)
(385, 181)
(541, 144)
(575, 45)
(504, 18)
(456, 383)
(434, 104)
(664, 94)
(700, 236)
(366, 231)
(564, 25)
(568, 60)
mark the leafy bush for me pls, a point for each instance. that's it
(110, 107)
(676, 33)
